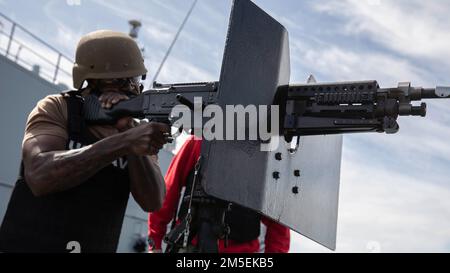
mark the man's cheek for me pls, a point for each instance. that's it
(132, 88)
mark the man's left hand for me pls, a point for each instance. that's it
(108, 100)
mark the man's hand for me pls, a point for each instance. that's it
(111, 98)
(147, 138)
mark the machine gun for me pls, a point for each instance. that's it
(306, 109)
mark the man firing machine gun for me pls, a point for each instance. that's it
(256, 70)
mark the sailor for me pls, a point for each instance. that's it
(75, 178)
(244, 224)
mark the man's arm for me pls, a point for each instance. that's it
(146, 180)
(50, 169)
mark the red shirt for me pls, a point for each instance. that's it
(277, 239)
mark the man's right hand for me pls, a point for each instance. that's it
(147, 138)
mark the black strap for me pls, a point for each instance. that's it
(76, 124)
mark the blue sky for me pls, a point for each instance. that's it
(395, 189)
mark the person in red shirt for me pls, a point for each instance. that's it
(244, 224)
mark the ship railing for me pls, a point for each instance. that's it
(21, 46)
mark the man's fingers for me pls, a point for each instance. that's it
(124, 124)
(108, 99)
(163, 138)
(163, 127)
(117, 99)
(105, 100)
(158, 142)
(102, 100)
(168, 138)
(153, 150)
(157, 146)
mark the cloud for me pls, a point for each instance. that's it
(393, 209)
(413, 28)
(123, 10)
(166, 16)
(340, 64)
(157, 35)
(197, 52)
(66, 33)
(182, 71)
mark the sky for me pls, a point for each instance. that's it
(395, 189)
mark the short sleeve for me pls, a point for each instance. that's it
(49, 117)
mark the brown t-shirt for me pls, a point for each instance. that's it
(50, 116)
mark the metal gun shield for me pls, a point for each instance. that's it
(299, 190)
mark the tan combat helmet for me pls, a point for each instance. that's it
(106, 54)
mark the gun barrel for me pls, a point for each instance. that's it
(440, 92)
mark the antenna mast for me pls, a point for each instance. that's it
(174, 41)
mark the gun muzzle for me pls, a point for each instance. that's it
(440, 92)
